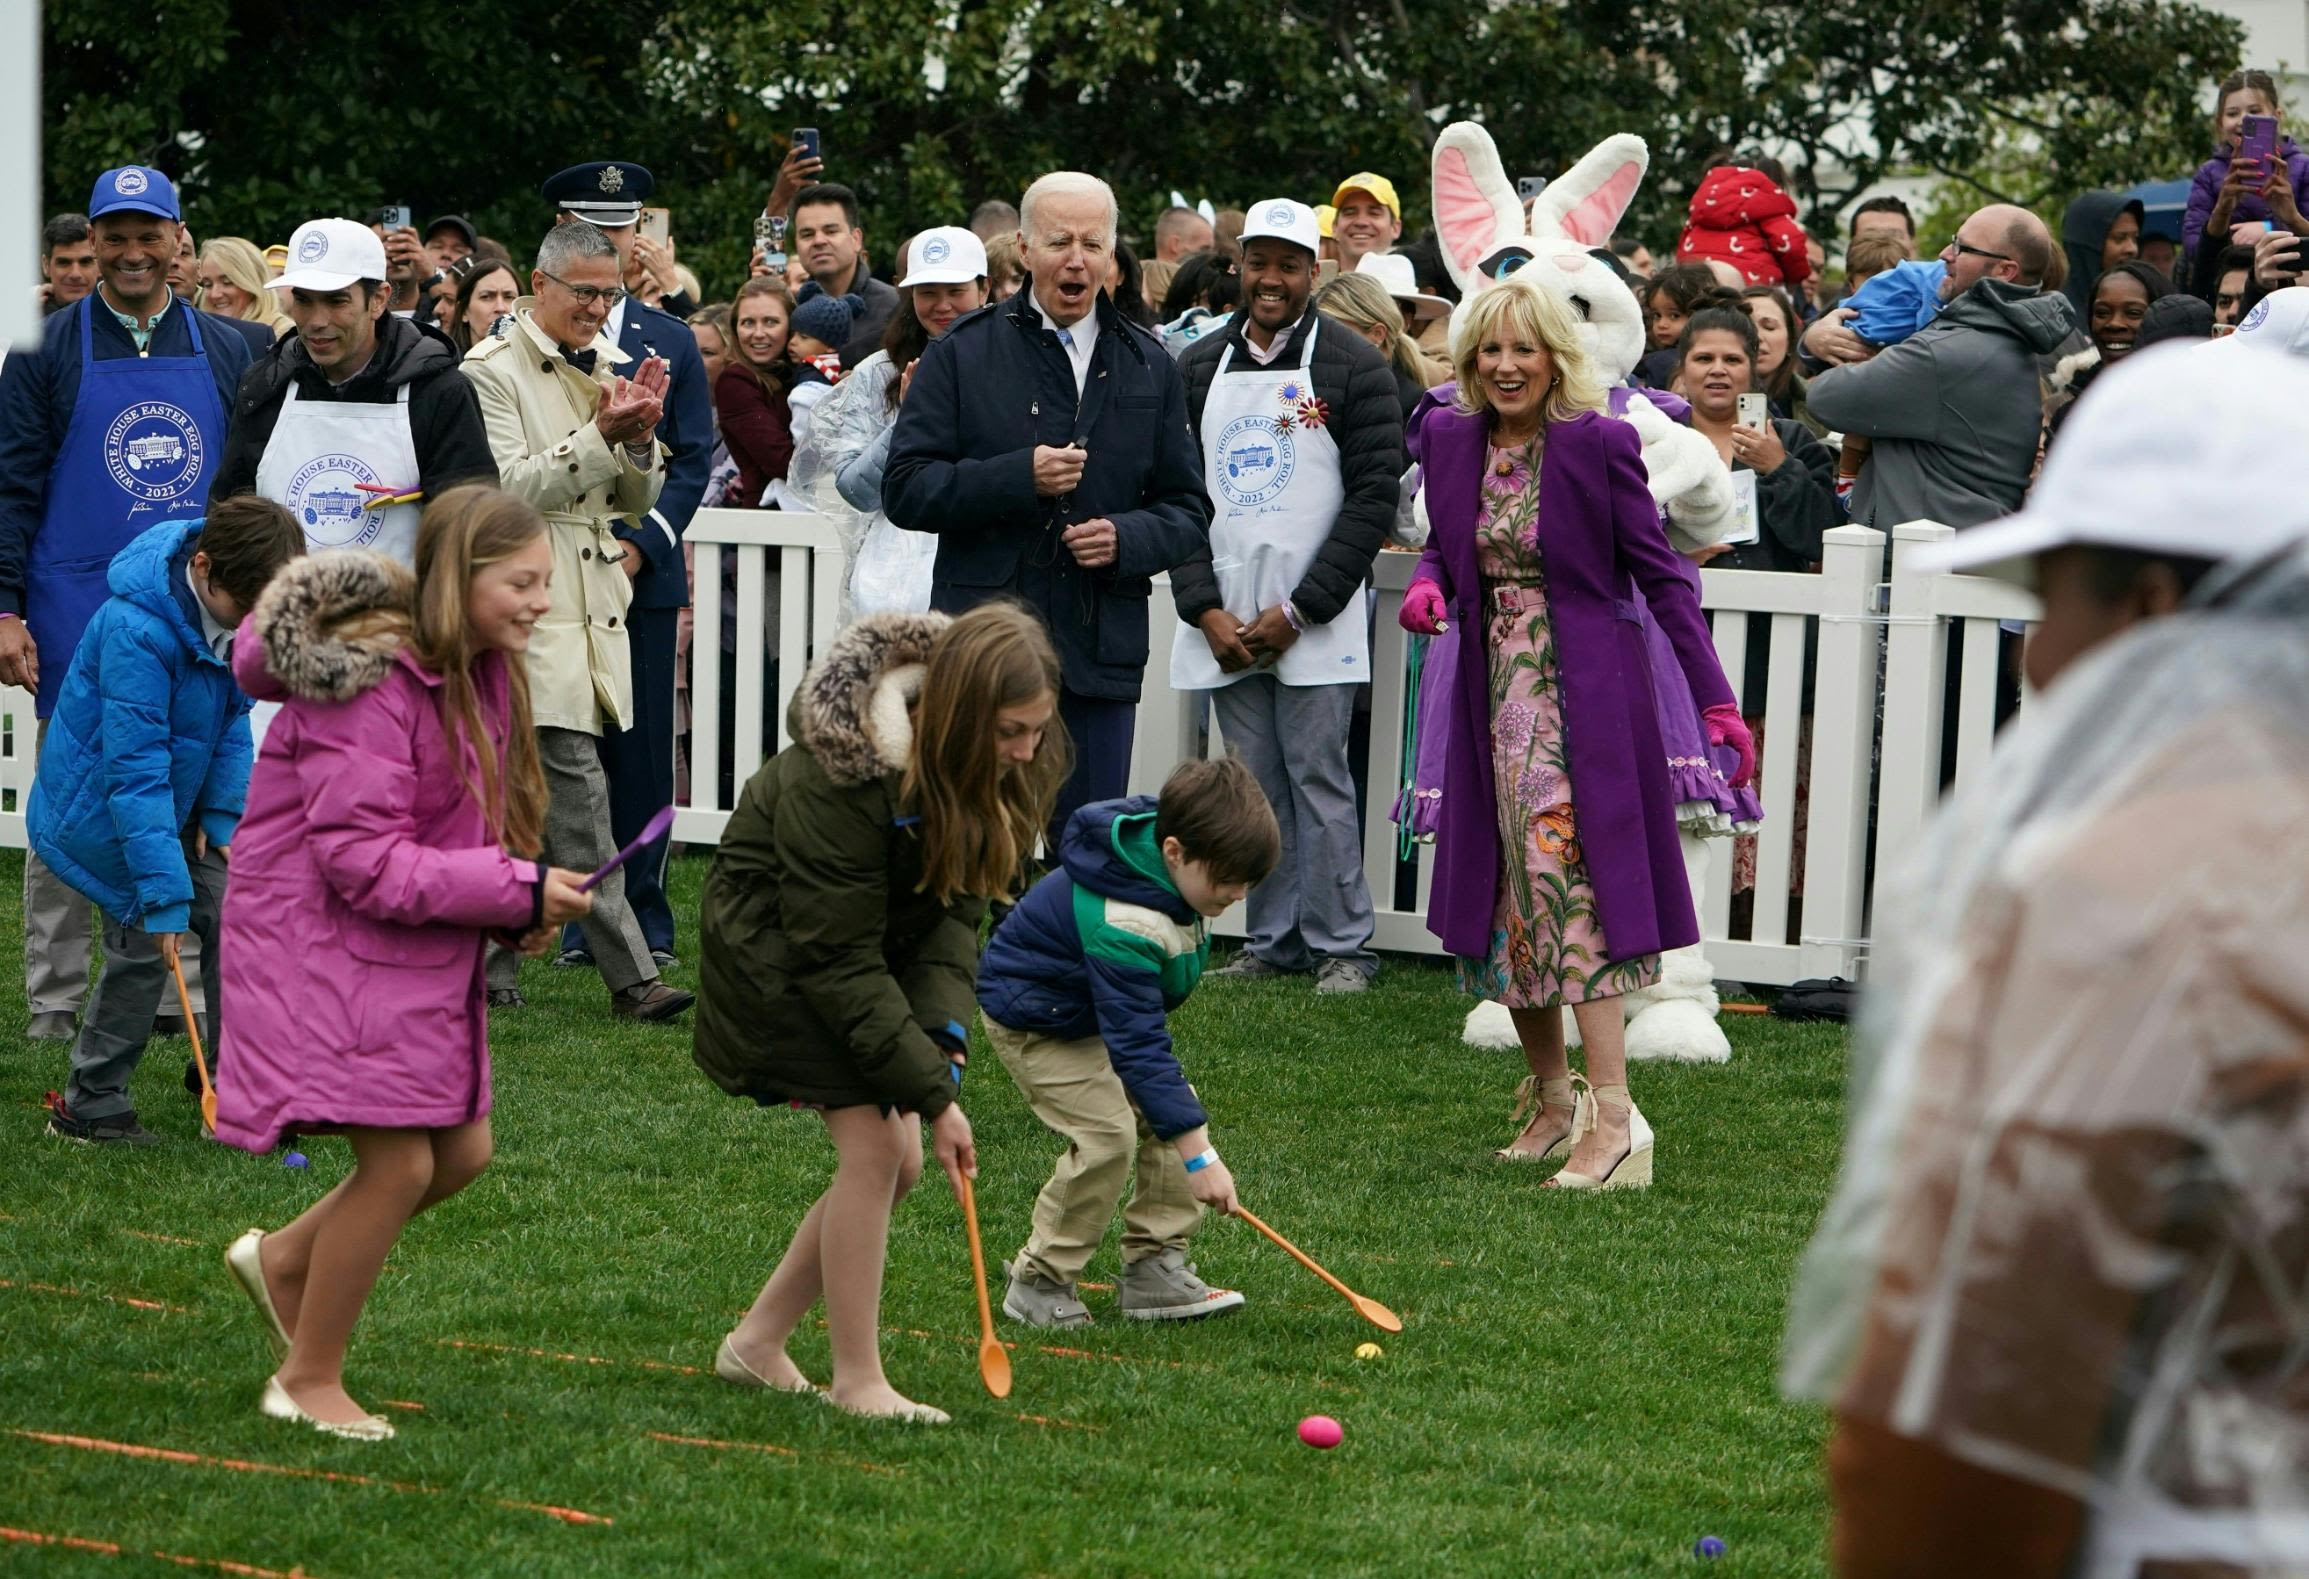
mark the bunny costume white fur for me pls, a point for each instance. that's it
(1481, 224)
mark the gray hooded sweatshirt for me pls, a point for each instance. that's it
(1954, 410)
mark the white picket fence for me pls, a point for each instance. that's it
(1875, 771)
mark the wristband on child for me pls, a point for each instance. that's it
(1201, 1160)
(1291, 617)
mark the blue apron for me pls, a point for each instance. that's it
(139, 450)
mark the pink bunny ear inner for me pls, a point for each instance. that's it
(1591, 221)
(1463, 215)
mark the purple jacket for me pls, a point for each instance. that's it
(364, 886)
(2206, 188)
(1600, 536)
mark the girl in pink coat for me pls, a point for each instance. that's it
(370, 871)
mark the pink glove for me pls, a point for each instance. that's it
(1727, 728)
(1422, 609)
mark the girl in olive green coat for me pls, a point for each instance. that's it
(840, 942)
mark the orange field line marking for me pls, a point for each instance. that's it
(1047, 1348)
(572, 1359)
(170, 1455)
(117, 1299)
(79, 1543)
(768, 1447)
(160, 1239)
(1070, 1425)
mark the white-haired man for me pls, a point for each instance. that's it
(1045, 440)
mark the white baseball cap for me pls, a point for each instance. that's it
(944, 255)
(1394, 271)
(2131, 468)
(2279, 322)
(1285, 219)
(330, 255)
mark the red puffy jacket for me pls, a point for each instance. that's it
(1739, 216)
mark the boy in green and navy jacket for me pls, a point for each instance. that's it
(1077, 986)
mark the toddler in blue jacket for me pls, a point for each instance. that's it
(1077, 988)
(142, 777)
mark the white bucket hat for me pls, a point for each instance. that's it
(1394, 271)
(944, 255)
(2131, 468)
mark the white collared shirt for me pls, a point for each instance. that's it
(615, 327)
(1085, 338)
(219, 637)
(1274, 348)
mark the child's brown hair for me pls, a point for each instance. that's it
(1220, 817)
(248, 538)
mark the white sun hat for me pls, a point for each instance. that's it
(2131, 468)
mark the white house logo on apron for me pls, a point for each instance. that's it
(153, 450)
(322, 497)
(1256, 456)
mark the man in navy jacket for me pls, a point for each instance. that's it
(639, 761)
(1045, 440)
(113, 425)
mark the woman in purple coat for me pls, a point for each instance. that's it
(1544, 529)
(370, 869)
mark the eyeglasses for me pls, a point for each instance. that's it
(587, 295)
(1961, 248)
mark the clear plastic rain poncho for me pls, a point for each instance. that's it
(884, 569)
(2070, 1240)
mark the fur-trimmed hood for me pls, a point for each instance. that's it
(850, 709)
(311, 594)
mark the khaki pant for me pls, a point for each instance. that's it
(1073, 1088)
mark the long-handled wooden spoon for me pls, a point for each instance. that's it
(1369, 1309)
(192, 1028)
(993, 1358)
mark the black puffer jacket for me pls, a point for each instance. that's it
(1357, 383)
(444, 414)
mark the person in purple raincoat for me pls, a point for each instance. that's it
(389, 821)
(1543, 531)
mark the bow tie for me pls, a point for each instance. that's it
(581, 360)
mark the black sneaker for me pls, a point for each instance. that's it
(663, 957)
(507, 998)
(121, 1129)
(573, 959)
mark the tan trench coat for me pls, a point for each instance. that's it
(539, 411)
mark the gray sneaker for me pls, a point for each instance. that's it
(1341, 975)
(1038, 1302)
(1247, 966)
(1164, 1287)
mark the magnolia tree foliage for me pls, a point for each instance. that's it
(276, 110)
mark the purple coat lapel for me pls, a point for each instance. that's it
(1600, 538)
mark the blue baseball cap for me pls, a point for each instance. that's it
(134, 189)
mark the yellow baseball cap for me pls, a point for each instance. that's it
(1377, 185)
(1324, 213)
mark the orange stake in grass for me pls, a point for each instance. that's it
(993, 1359)
(1369, 1309)
(192, 1028)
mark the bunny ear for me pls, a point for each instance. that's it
(1475, 204)
(1586, 204)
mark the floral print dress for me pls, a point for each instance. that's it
(1547, 944)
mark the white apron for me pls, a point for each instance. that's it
(320, 449)
(1276, 492)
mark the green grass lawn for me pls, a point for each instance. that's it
(1584, 1385)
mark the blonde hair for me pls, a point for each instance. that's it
(1517, 305)
(243, 267)
(1360, 302)
(463, 531)
(980, 818)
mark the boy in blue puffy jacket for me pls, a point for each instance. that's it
(142, 780)
(1077, 988)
